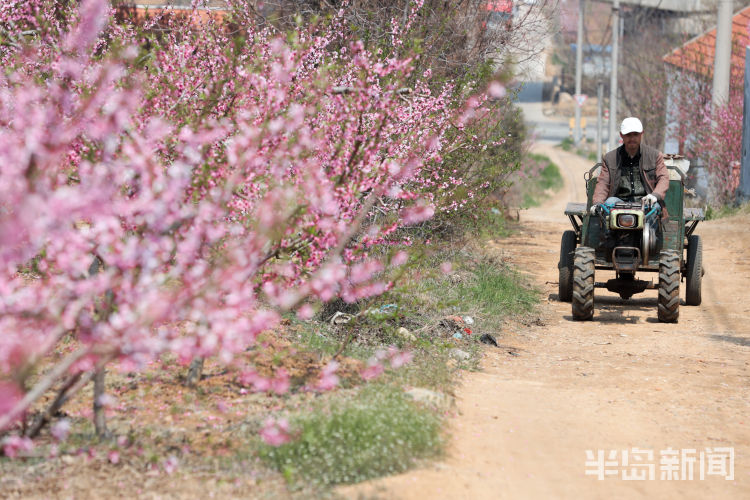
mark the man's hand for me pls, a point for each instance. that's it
(649, 200)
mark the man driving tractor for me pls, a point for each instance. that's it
(622, 231)
(632, 172)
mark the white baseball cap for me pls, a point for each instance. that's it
(631, 124)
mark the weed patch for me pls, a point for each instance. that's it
(375, 433)
(549, 176)
(497, 291)
(538, 179)
(583, 151)
(713, 213)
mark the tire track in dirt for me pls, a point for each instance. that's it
(619, 382)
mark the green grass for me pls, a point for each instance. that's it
(550, 177)
(430, 369)
(477, 286)
(567, 145)
(713, 213)
(497, 291)
(377, 432)
(536, 189)
(489, 224)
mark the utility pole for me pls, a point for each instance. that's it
(722, 54)
(722, 60)
(579, 70)
(613, 75)
(743, 192)
(599, 106)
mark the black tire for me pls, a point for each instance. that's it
(565, 266)
(583, 284)
(694, 271)
(669, 286)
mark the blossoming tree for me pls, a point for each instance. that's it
(178, 189)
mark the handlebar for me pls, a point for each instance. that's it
(655, 209)
(587, 176)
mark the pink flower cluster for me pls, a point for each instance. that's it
(278, 384)
(708, 134)
(376, 365)
(275, 432)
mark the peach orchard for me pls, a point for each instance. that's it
(177, 184)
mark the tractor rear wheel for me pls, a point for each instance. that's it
(669, 286)
(565, 266)
(583, 284)
(694, 271)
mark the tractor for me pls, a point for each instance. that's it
(630, 240)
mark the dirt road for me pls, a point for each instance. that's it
(619, 382)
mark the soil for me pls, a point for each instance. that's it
(554, 390)
(207, 430)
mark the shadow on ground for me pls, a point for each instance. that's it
(743, 341)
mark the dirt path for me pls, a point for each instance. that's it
(619, 382)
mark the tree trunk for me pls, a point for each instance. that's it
(69, 387)
(100, 423)
(194, 372)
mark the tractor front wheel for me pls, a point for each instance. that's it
(583, 284)
(669, 287)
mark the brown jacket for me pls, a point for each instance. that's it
(653, 174)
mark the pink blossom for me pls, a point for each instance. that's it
(373, 370)
(363, 271)
(10, 395)
(328, 378)
(85, 364)
(380, 354)
(400, 359)
(107, 400)
(496, 90)
(14, 444)
(417, 213)
(93, 16)
(275, 432)
(170, 464)
(399, 258)
(251, 377)
(305, 312)
(280, 384)
(60, 429)
(113, 457)
(446, 267)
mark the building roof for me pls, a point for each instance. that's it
(697, 55)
